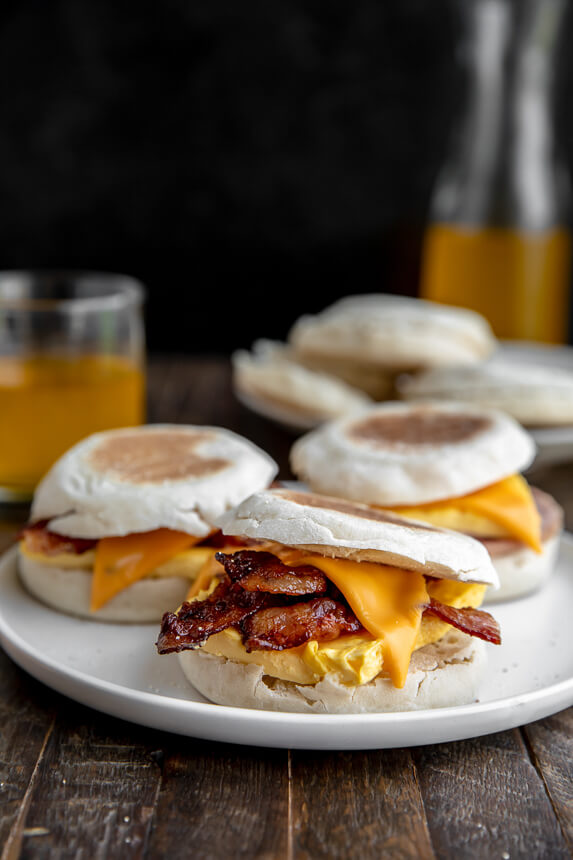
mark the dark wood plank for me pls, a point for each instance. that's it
(194, 391)
(551, 746)
(206, 393)
(357, 805)
(485, 798)
(27, 718)
(220, 801)
(275, 440)
(94, 790)
(163, 389)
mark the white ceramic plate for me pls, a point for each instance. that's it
(115, 669)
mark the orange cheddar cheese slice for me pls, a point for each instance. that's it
(508, 503)
(388, 602)
(122, 561)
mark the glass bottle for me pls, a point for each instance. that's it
(498, 240)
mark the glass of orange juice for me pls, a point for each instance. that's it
(72, 357)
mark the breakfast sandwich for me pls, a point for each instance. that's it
(123, 523)
(369, 339)
(536, 395)
(332, 606)
(269, 380)
(450, 465)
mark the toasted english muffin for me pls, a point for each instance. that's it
(393, 332)
(141, 478)
(348, 530)
(121, 523)
(536, 395)
(269, 380)
(400, 454)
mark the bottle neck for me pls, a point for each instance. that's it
(503, 168)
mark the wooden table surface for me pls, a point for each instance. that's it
(76, 783)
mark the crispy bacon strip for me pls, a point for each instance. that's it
(475, 622)
(263, 571)
(226, 606)
(41, 540)
(280, 627)
(276, 607)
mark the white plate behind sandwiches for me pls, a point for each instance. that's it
(554, 444)
(115, 669)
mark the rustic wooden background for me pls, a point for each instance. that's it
(77, 784)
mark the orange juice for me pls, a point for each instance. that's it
(518, 280)
(48, 403)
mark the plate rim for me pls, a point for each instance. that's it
(82, 687)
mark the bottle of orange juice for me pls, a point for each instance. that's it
(497, 240)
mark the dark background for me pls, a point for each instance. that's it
(247, 161)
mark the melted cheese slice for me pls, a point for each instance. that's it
(122, 561)
(388, 602)
(505, 509)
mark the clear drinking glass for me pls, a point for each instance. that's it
(72, 353)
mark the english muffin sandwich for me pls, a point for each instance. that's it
(536, 395)
(332, 606)
(450, 465)
(367, 340)
(270, 381)
(123, 523)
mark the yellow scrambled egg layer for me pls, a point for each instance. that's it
(354, 659)
(186, 564)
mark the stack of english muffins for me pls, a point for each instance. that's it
(352, 353)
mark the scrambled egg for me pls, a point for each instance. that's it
(450, 517)
(187, 563)
(354, 659)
